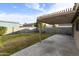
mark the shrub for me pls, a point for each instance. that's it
(2, 30)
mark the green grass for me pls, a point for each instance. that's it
(10, 44)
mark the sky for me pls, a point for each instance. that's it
(28, 12)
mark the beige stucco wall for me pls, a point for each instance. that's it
(17, 28)
(76, 35)
(10, 30)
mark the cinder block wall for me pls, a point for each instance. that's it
(61, 30)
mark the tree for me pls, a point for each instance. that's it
(2, 30)
(39, 26)
(36, 25)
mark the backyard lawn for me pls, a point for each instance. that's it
(10, 44)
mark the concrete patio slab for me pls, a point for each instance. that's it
(56, 45)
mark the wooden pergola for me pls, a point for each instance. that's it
(60, 17)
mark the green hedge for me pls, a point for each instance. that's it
(2, 30)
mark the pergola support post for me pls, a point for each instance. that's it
(40, 31)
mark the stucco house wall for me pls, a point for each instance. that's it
(11, 26)
(76, 33)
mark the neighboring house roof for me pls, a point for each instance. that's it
(9, 22)
(27, 25)
(61, 17)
